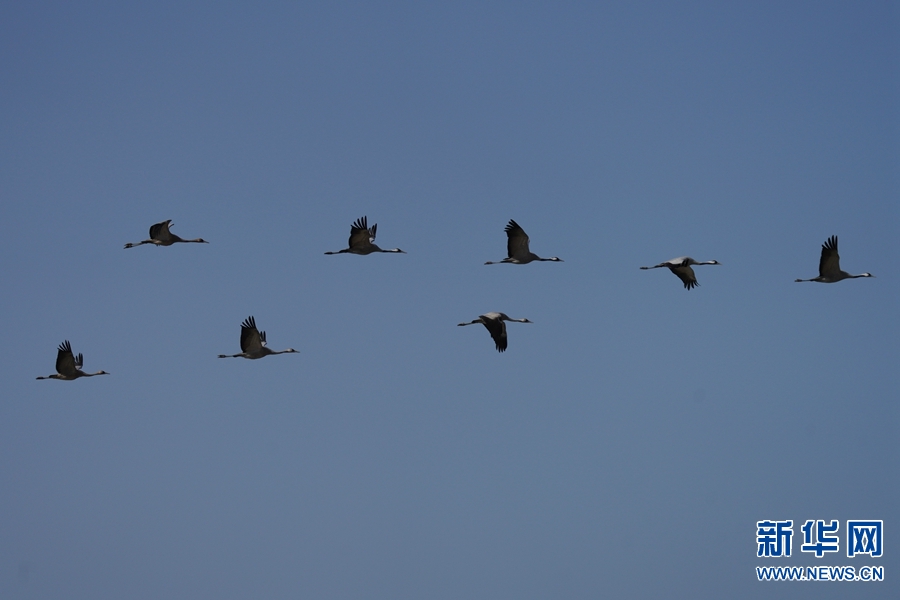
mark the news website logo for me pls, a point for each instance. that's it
(820, 538)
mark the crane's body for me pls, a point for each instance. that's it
(161, 236)
(253, 342)
(830, 265)
(68, 365)
(681, 267)
(517, 250)
(362, 238)
(494, 323)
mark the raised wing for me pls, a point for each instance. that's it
(251, 340)
(160, 231)
(830, 262)
(361, 235)
(517, 242)
(66, 363)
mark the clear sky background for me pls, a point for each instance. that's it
(626, 443)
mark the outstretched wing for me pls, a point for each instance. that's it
(251, 340)
(361, 235)
(830, 262)
(160, 231)
(66, 364)
(517, 241)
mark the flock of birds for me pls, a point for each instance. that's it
(362, 238)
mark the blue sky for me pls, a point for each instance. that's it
(627, 442)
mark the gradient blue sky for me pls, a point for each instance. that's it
(626, 443)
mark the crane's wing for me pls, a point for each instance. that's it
(66, 364)
(830, 262)
(160, 231)
(361, 235)
(686, 274)
(497, 329)
(517, 242)
(251, 341)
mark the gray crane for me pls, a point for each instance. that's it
(361, 238)
(253, 342)
(517, 247)
(493, 321)
(161, 236)
(68, 366)
(681, 266)
(830, 265)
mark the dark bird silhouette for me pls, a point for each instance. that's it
(681, 266)
(361, 238)
(161, 236)
(493, 321)
(517, 247)
(253, 342)
(68, 366)
(830, 265)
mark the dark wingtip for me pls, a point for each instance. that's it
(511, 226)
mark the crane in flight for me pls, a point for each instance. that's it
(361, 240)
(253, 342)
(161, 236)
(681, 266)
(494, 322)
(830, 265)
(517, 249)
(68, 366)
